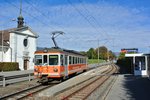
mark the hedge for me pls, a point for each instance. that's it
(125, 63)
(9, 66)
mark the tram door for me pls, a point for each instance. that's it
(66, 65)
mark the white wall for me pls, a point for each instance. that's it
(16, 42)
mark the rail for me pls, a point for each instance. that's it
(15, 76)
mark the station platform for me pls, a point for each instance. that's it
(72, 82)
(130, 87)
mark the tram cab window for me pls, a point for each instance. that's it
(45, 61)
(38, 59)
(53, 59)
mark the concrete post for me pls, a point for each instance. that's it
(29, 77)
(4, 82)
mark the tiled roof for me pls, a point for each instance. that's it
(6, 34)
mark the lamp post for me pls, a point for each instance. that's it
(3, 43)
(98, 52)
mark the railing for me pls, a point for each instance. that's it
(15, 76)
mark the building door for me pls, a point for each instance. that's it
(26, 64)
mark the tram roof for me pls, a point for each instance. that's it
(53, 49)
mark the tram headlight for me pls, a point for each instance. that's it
(35, 70)
(55, 70)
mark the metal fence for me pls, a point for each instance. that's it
(15, 76)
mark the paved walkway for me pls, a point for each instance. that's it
(129, 87)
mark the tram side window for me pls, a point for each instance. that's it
(78, 60)
(53, 59)
(38, 59)
(69, 59)
(73, 60)
(62, 60)
(45, 60)
(82, 60)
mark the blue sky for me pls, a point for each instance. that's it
(114, 23)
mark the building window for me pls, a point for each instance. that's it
(25, 42)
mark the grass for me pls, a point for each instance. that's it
(93, 61)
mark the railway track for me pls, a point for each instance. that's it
(32, 91)
(84, 91)
(28, 92)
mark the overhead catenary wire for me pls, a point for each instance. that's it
(43, 14)
(82, 15)
(29, 14)
(94, 20)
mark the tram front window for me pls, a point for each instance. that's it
(38, 59)
(53, 59)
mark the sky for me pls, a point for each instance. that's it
(87, 24)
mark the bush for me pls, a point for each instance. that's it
(9, 66)
(125, 63)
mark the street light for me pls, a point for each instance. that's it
(3, 42)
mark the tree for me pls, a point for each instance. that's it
(111, 55)
(91, 53)
(122, 55)
(83, 52)
(102, 52)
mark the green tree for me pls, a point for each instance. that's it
(91, 53)
(83, 52)
(102, 52)
(121, 55)
(111, 55)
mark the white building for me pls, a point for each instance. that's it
(139, 63)
(18, 45)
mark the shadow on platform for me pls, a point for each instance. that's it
(137, 87)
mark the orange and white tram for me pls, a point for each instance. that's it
(56, 63)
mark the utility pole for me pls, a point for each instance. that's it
(107, 55)
(98, 51)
